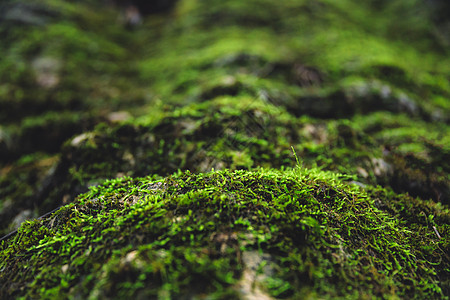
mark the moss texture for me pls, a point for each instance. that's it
(326, 123)
(189, 235)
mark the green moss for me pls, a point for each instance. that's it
(357, 90)
(138, 237)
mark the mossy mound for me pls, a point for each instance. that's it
(292, 234)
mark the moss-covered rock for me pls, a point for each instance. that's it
(358, 90)
(291, 234)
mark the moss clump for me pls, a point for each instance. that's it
(314, 236)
